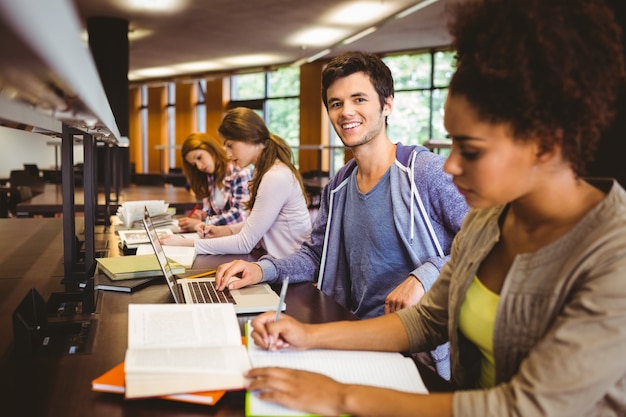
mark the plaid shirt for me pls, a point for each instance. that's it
(235, 196)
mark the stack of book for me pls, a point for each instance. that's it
(131, 213)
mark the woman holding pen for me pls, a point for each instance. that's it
(533, 298)
(221, 184)
(278, 219)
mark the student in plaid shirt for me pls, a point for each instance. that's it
(222, 185)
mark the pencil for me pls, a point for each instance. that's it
(193, 211)
(203, 274)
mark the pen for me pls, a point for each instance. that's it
(206, 224)
(203, 274)
(281, 300)
(193, 211)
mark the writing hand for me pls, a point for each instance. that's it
(407, 294)
(175, 240)
(275, 335)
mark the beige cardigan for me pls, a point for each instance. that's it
(560, 329)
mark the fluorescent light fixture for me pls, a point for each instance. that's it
(135, 34)
(359, 12)
(197, 66)
(415, 8)
(153, 6)
(318, 55)
(151, 72)
(320, 36)
(359, 35)
(255, 59)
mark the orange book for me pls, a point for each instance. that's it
(113, 381)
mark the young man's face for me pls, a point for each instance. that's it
(354, 110)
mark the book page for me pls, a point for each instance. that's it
(379, 369)
(182, 325)
(180, 348)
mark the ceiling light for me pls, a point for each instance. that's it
(318, 55)
(415, 8)
(319, 36)
(198, 66)
(255, 59)
(358, 13)
(151, 73)
(359, 35)
(154, 6)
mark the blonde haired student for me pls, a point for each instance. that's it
(278, 219)
(533, 298)
(222, 185)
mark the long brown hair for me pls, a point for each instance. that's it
(197, 179)
(244, 125)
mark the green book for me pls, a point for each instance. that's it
(134, 266)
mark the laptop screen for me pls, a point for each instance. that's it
(160, 254)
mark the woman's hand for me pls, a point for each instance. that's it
(275, 335)
(175, 240)
(188, 224)
(300, 390)
(211, 231)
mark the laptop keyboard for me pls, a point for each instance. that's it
(204, 292)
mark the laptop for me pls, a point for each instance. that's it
(249, 300)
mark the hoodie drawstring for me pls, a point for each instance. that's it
(415, 192)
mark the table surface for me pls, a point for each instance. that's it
(51, 200)
(59, 385)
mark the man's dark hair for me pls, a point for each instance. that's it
(349, 63)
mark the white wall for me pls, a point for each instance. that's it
(18, 147)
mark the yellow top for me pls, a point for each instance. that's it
(476, 320)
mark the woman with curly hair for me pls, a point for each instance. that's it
(221, 185)
(533, 299)
(278, 220)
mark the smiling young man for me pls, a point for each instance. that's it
(387, 218)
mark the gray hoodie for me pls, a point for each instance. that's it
(427, 211)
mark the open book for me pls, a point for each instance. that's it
(381, 369)
(177, 348)
(180, 348)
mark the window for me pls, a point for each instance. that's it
(275, 95)
(420, 82)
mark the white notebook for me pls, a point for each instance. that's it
(381, 369)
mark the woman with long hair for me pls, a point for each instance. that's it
(219, 183)
(278, 219)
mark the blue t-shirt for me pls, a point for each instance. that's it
(378, 261)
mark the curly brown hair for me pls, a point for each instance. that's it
(197, 179)
(549, 68)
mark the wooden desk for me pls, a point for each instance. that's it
(60, 385)
(50, 201)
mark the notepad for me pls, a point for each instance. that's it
(380, 369)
